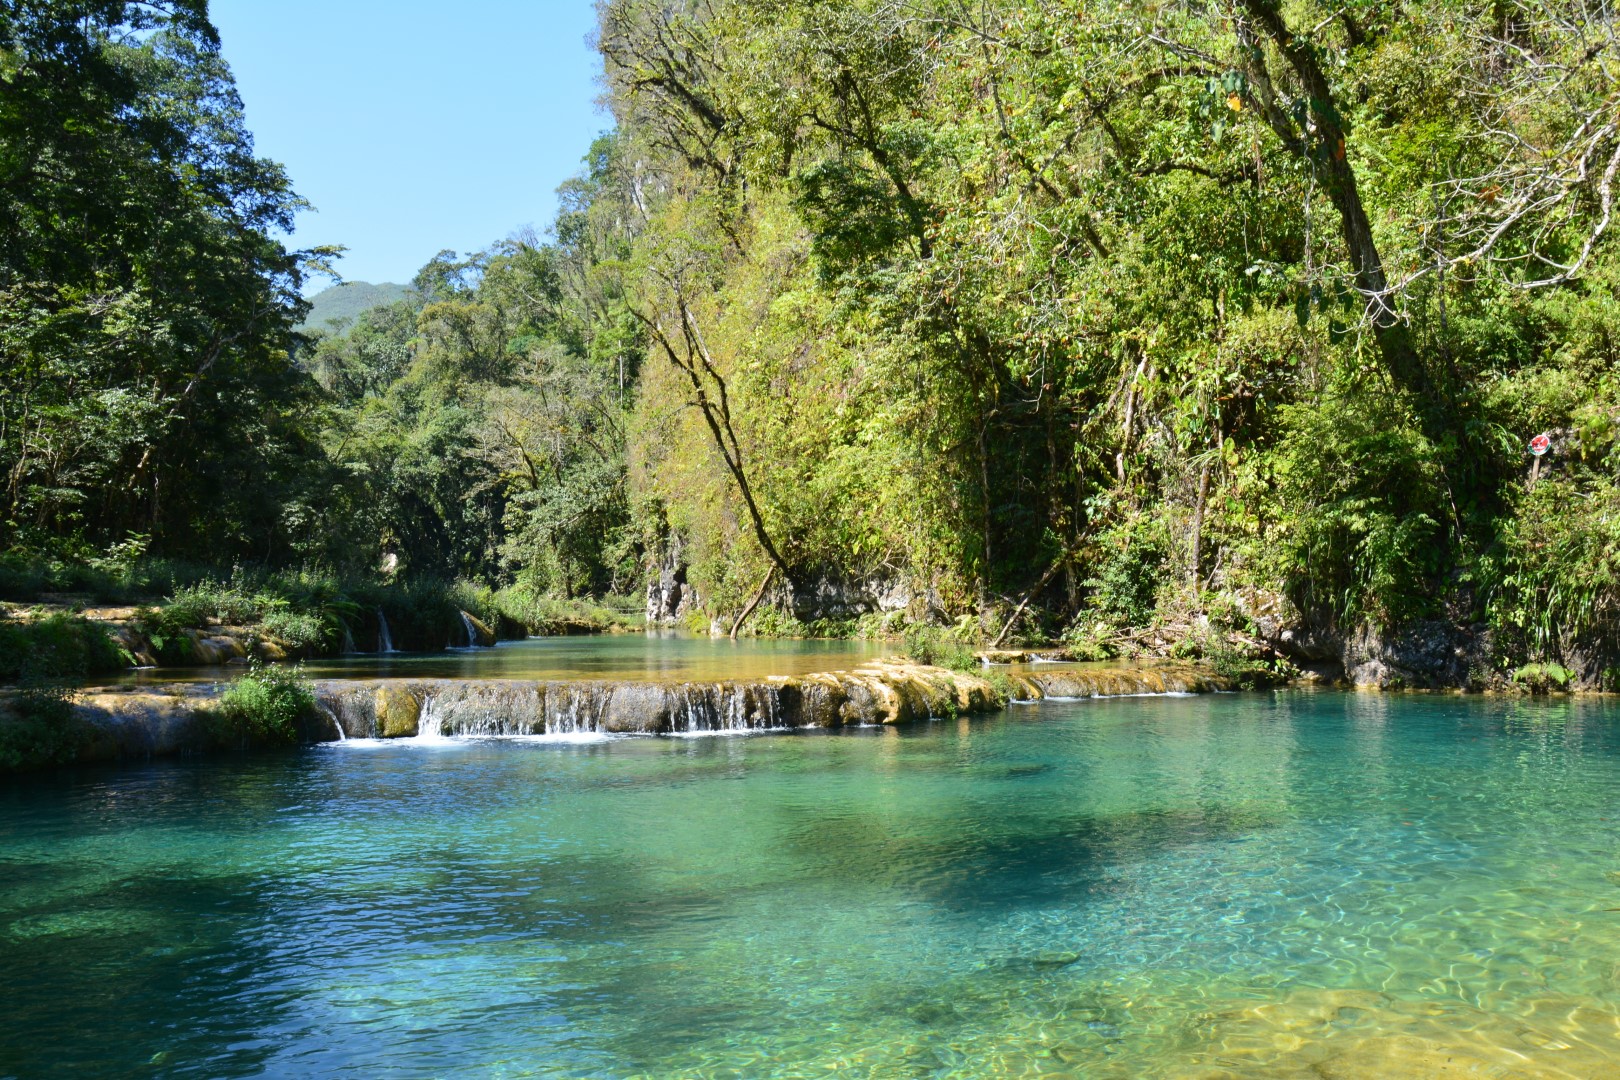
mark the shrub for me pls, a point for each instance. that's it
(1088, 639)
(1125, 579)
(1554, 583)
(40, 730)
(770, 621)
(1247, 672)
(1361, 499)
(299, 629)
(56, 647)
(1001, 685)
(521, 606)
(939, 647)
(267, 706)
(192, 606)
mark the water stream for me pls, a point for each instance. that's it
(385, 640)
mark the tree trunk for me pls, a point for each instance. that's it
(1325, 147)
(1198, 524)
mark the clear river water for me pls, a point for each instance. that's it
(645, 657)
(1239, 885)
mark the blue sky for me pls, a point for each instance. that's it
(415, 126)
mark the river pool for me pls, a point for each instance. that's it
(1239, 885)
(659, 656)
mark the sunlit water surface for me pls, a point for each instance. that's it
(641, 657)
(1321, 885)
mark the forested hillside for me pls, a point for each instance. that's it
(1039, 319)
(334, 309)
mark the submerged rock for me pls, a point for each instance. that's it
(1053, 958)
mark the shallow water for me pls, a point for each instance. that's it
(1301, 884)
(620, 657)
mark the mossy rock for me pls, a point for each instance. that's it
(398, 712)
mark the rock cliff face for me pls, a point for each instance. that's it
(829, 596)
(669, 597)
(1430, 655)
(826, 595)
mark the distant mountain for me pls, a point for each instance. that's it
(347, 301)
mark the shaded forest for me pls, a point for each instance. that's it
(1042, 320)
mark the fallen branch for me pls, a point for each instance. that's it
(759, 594)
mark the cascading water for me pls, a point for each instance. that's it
(429, 725)
(342, 736)
(573, 712)
(385, 640)
(876, 693)
(472, 631)
(697, 708)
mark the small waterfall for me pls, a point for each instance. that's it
(696, 708)
(571, 712)
(429, 724)
(336, 723)
(432, 709)
(385, 640)
(472, 631)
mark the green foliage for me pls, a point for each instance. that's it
(1556, 578)
(33, 652)
(38, 729)
(939, 647)
(849, 293)
(146, 304)
(267, 706)
(1128, 572)
(1002, 686)
(1543, 678)
(1247, 671)
(1088, 639)
(1360, 507)
(301, 630)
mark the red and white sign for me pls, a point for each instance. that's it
(1540, 444)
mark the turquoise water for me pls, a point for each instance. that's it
(1324, 885)
(642, 657)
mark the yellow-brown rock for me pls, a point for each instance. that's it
(398, 712)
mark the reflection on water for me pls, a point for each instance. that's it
(1321, 885)
(656, 656)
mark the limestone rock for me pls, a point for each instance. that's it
(478, 631)
(398, 712)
